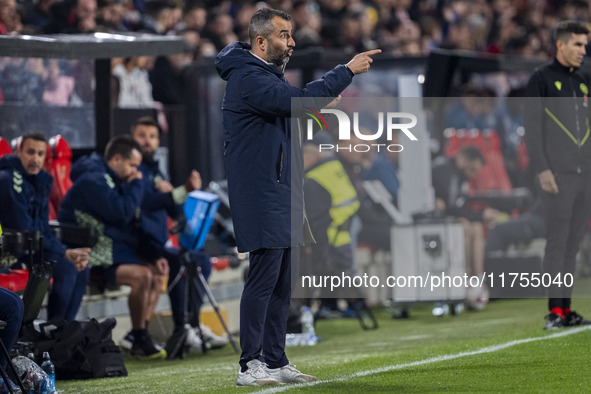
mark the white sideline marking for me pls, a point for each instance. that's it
(489, 349)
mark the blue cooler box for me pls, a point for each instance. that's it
(200, 209)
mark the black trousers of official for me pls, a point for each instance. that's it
(264, 306)
(566, 216)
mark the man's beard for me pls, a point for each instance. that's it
(148, 156)
(278, 57)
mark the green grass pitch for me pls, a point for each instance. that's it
(411, 355)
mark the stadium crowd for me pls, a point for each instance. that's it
(398, 27)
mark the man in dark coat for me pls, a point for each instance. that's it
(256, 111)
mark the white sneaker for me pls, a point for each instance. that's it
(255, 375)
(289, 374)
(193, 340)
(215, 341)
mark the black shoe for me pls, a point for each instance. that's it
(553, 321)
(574, 319)
(144, 349)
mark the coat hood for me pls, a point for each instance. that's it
(87, 164)
(11, 162)
(236, 56)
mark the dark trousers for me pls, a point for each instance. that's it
(11, 311)
(264, 307)
(69, 286)
(176, 293)
(566, 216)
(522, 229)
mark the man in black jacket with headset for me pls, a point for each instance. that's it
(557, 138)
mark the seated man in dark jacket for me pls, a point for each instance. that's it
(106, 194)
(24, 192)
(161, 201)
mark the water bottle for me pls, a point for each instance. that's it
(291, 340)
(308, 332)
(49, 369)
(307, 320)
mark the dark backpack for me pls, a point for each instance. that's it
(79, 349)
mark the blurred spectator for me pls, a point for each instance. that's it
(474, 110)
(308, 24)
(134, 87)
(110, 16)
(241, 21)
(72, 16)
(205, 50)
(331, 203)
(220, 30)
(352, 36)
(10, 21)
(83, 72)
(373, 227)
(194, 18)
(22, 80)
(384, 168)
(39, 16)
(167, 77)
(331, 11)
(158, 18)
(58, 88)
(450, 176)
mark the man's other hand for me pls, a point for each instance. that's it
(164, 186)
(78, 257)
(548, 182)
(193, 181)
(362, 61)
(134, 176)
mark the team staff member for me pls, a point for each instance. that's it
(557, 138)
(256, 110)
(107, 194)
(161, 200)
(24, 192)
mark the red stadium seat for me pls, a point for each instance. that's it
(5, 148)
(493, 176)
(15, 281)
(59, 167)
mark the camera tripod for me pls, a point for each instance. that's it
(196, 288)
